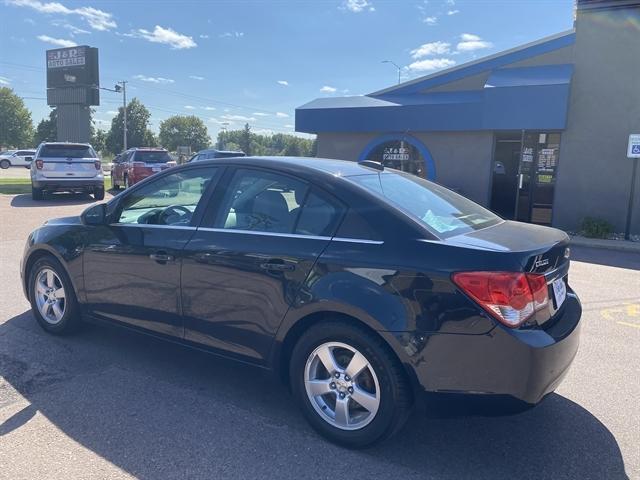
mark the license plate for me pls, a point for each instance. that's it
(559, 291)
(155, 169)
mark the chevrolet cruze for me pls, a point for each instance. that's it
(362, 286)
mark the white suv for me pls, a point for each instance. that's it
(16, 158)
(63, 166)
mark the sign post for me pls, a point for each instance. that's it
(633, 152)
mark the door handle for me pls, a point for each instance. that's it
(162, 257)
(277, 266)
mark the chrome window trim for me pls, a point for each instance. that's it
(290, 235)
(144, 225)
(358, 240)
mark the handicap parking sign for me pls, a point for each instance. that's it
(633, 150)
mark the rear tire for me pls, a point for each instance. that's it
(382, 384)
(4, 164)
(126, 182)
(53, 300)
(37, 193)
(98, 193)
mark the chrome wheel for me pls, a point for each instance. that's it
(50, 296)
(342, 386)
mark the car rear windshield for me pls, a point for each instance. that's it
(152, 157)
(67, 151)
(442, 211)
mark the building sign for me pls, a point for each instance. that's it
(66, 57)
(633, 149)
(395, 153)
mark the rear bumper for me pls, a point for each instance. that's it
(525, 364)
(64, 184)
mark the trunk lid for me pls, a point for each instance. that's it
(68, 167)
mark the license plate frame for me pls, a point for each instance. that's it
(559, 291)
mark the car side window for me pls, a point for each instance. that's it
(261, 201)
(169, 200)
(320, 215)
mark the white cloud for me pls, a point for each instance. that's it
(4, 81)
(453, 12)
(260, 114)
(59, 42)
(231, 35)
(288, 125)
(450, 2)
(357, 6)
(239, 118)
(328, 89)
(30, 21)
(471, 42)
(283, 82)
(430, 20)
(433, 48)
(210, 108)
(165, 36)
(97, 19)
(189, 107)
(112, 112)
(431, 64)
(144, 78)
(196, 77)
(282, 115)
(204, 36)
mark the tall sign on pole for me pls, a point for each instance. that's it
(633, 152)
(73, 87)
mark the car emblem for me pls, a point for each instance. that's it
(541, 263)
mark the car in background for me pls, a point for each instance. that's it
(212, 153)
(16, 158)
(65, 166)
(136, 164)
(362, 286)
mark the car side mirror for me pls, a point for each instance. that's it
(95, 215)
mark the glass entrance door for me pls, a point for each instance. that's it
(524, 174)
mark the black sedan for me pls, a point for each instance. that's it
(361, 286)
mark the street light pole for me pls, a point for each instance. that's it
(124, 104)
(395, 65)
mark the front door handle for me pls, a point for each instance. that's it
(162, 257)
(277, 266)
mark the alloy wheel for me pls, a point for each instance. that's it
(50, 296)
(342, 386)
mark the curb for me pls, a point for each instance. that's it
(618, 245)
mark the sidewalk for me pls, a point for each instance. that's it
(620, 245)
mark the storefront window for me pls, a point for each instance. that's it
(401, 155)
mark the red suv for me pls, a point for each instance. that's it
(137, 164)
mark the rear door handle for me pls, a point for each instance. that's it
(162, 257)
(277, 266)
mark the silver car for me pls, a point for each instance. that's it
(63, 166)
(16, 158)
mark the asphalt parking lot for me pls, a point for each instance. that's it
(107, 403)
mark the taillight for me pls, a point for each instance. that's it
(138, 164)
(39, 164)
(510, 297)
(97, 164)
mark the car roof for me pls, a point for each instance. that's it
(333, 167)
(67, 143)
(215, 150)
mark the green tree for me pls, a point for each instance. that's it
(186, 131)
(244, 140)
(99, 140)
(16, 127)
(47, 130)
(276, 144)
(138, 133)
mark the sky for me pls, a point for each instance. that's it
(236, 61)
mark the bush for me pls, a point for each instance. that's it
(596, 228)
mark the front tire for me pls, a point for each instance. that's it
(4, 164)
(350, 386)
(53, 300)
(98, 193)
(37, 193)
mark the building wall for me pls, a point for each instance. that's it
(594, 175)
(462, 159)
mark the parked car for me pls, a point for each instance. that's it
(363, 287)
(138, 163)
(65, 166)
(212, 153)
(16, 158)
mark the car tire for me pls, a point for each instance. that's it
(98, 193)
(4, 164)
(389, 396)
(37, 193)
(114, 185)
(126, 182)
(53, 300)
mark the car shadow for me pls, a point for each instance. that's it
(611, 258)
(158, 410)
(52, 199)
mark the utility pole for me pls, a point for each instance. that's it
(121, 87)
(397, 67)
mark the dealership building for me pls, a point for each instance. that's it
(539, 133)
